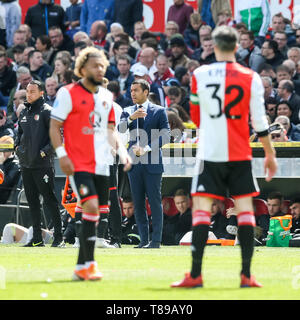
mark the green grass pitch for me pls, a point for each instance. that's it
(139, 274)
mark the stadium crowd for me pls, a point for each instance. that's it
(45, 50)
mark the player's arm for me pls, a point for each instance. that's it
(65, 162)
(261, 126)
(194, 103)
(61, 108)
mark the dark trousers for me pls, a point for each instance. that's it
(144, 184)
(115, 214)
(41, 182)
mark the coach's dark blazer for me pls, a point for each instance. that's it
(156, 133)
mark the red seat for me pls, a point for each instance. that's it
(260, 207)
(169, 207)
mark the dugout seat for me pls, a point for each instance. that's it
(260, 207)
(169, 207)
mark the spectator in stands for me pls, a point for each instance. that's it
(125, 77)
(114, 87)
(82, 36)
(13, 17)
(191, 33)
(130, 234)
(27, 30)
(295, 211)
(295, 77)
(267, 70)
(23, 78)
(18, 53)
(51, 86)
(279, 24)
(6, 125)
(277, 132)
(7, 76)
(283, 73)
(44, 15)
(93, 10)
(218, 221)
(38, 68)
(178, 57)
(59, 42)
(25, 56)
(249, 52)
(204, 33)
(62, 65)
(128, 13)
(292, 131)
(286, 92)
(178, 95)
(270, 92)
(209, 10)
(183, 76)
(43, 44)
(124, 37)
(297, 36)
(270, 52)
(19, 37)
(115, 28)
(72, 22)
(180, 13)
(147, 59)
(18, 99)
(271, 104)
(175, 227)
(281, 38)
(225, 17)
(207, 54)
(10, 168)
(171, 28)
(283, 108)
(163, 70)
(139, 29)
(98, 34)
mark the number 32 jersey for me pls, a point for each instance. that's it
(223, 94)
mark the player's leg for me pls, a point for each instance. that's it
(84, 187)
(78, 223)
(246, 224)
(242, 187)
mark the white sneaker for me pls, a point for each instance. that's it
(102, 243)
(76, 243)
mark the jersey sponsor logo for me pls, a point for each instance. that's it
(83, 190)
(46, 178)
(95, 122)
(201, 188)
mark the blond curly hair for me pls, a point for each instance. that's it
(84, 55)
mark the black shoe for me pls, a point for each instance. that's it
(58, 243)
(34, 243)
(152, 245)
(139, 246)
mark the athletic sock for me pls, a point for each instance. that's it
(103, 225)
(201, 222)
(246, 223)
(246, 238)
(89, 234)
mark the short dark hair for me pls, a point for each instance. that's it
(45, 40)
(114, 87)
(143, 83)
(37, 83)
(118, 44)
(249, 33)
(127, 199)
(181, 192)
(276, 195)
(288, 85)
(225, 38)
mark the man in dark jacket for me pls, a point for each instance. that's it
(43, 16)
(35, 154)
(127, 13)
(175, 227)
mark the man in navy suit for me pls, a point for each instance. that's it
(149, 131)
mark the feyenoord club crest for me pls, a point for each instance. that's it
(83, 190)
(36, 117)
(105, 105)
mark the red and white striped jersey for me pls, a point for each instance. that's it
(85, 116)
(222, 96)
